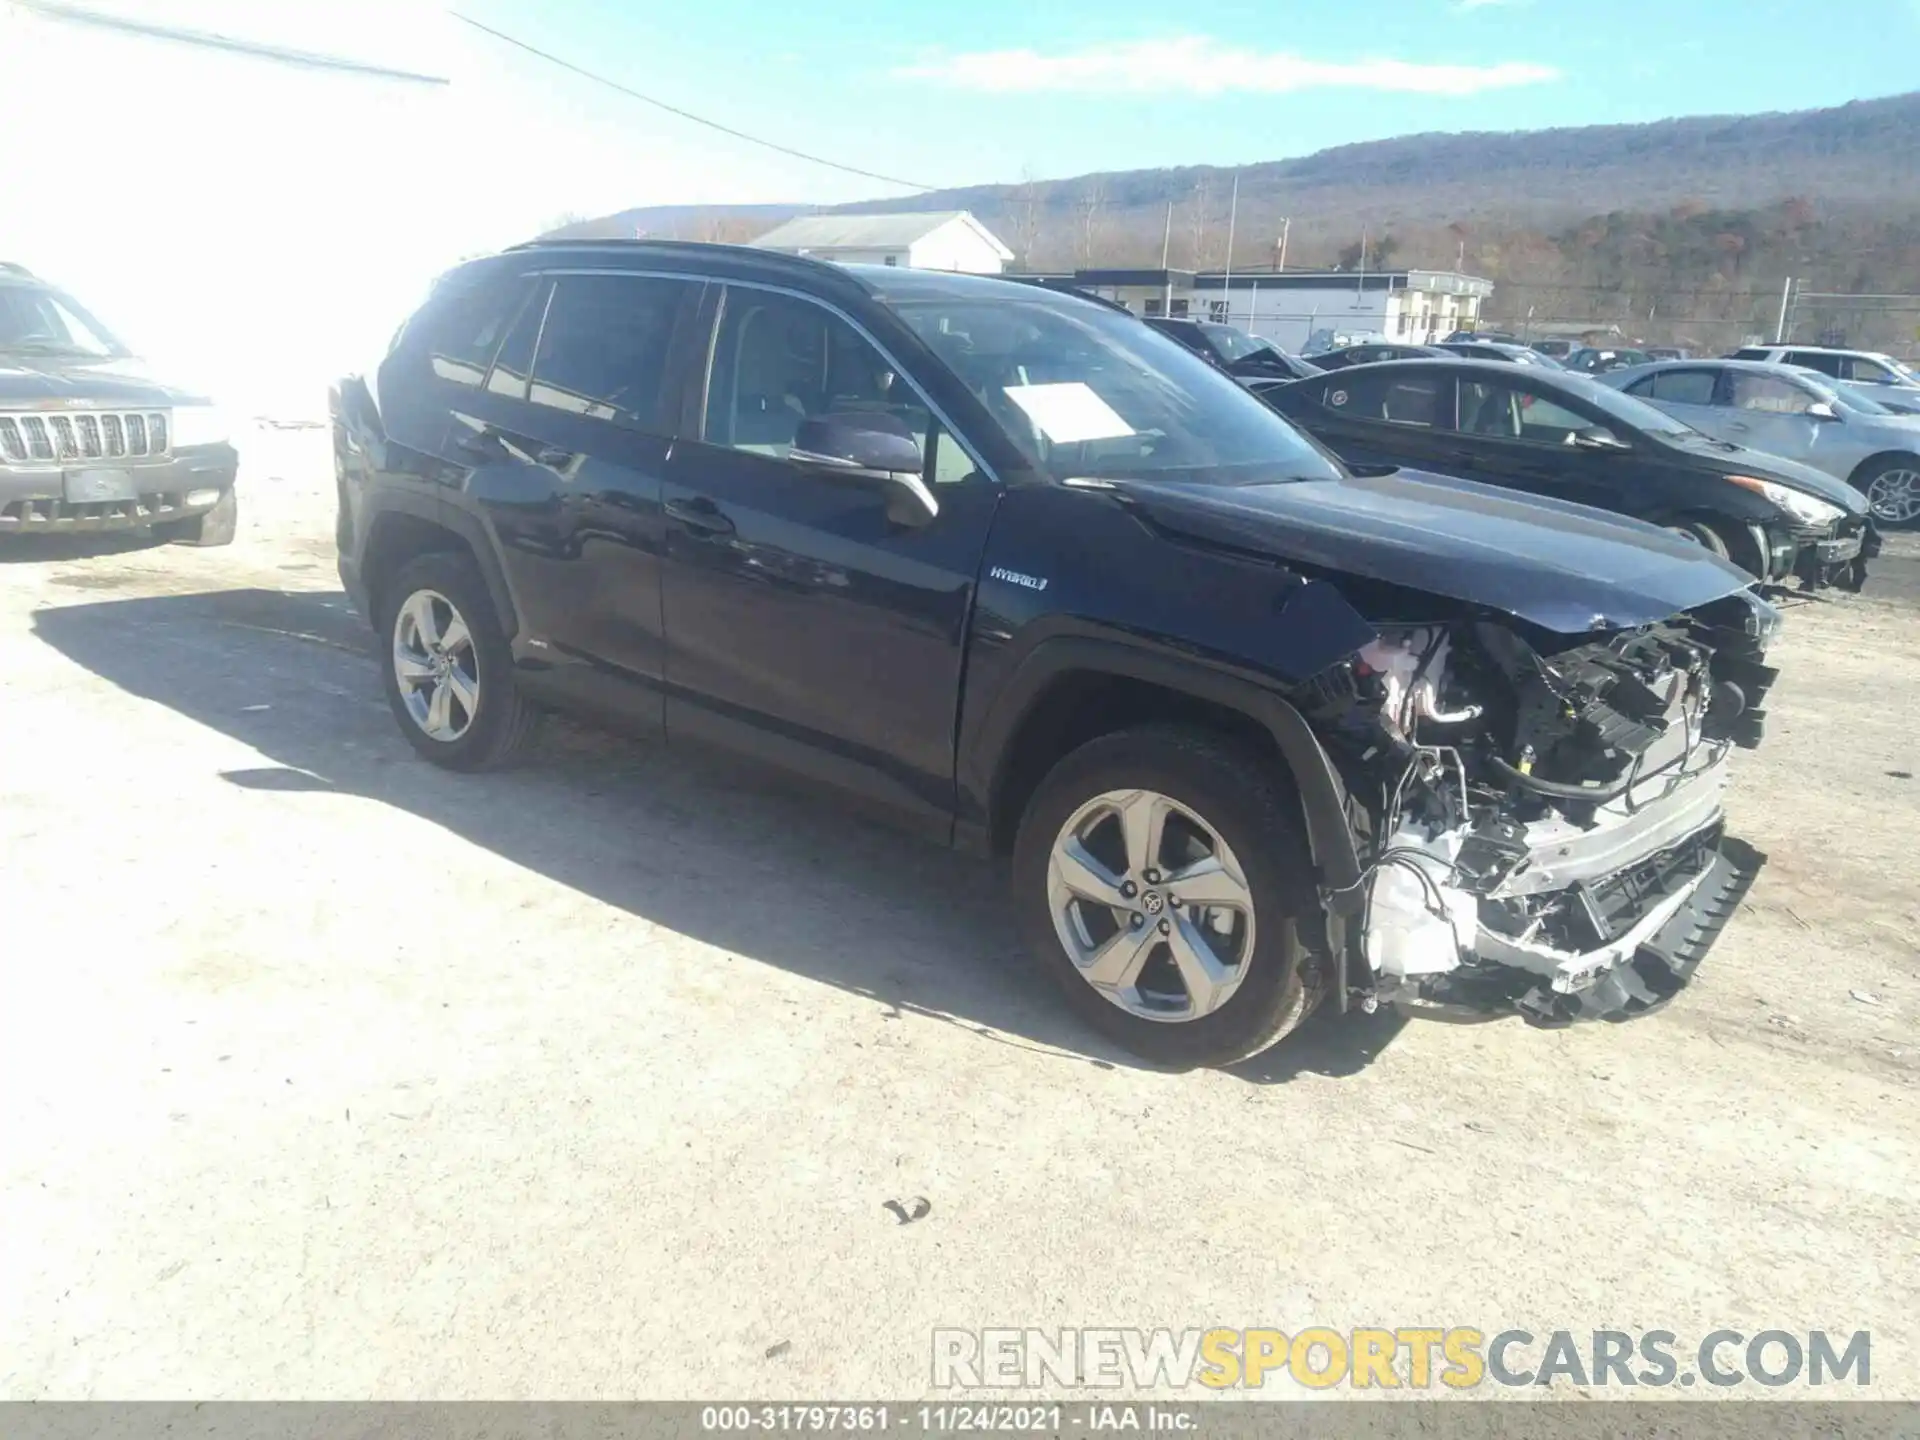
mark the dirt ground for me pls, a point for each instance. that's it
(330, 1075)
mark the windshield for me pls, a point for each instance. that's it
(1087, 392)
(1905, 371)
(1624, 407)
(1233, 343)
(38, 320)
(1856, 399)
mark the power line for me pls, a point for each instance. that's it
(206, 39)
(633, 94)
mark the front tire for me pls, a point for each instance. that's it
(447, 669)
(1892, 491)
(1161, 875)
(214, 527)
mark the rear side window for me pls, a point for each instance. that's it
(1751, 353)
(463, 324)
(1682, 387)
(1400, 399)
(604, 346)
(1817, 360)
(513, 366)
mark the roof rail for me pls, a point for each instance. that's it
(14, 268)
(778, 259)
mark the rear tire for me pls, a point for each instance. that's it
(214, 527)
(1232, 809)
(452, 690)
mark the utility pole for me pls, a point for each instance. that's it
(1286, 227)
(1786, 301)
(1166, 257)
(1233, 215)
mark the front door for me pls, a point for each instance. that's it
(1524, 438)
(816, 620)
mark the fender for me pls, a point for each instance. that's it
(1322, 794)
(448, 516)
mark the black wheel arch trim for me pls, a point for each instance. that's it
(1322, 794)
(460, 522)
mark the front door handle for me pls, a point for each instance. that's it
(553, 457)
(700, 515)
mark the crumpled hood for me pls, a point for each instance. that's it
(1565, 567)
(28, 382)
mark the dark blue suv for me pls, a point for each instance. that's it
(1027, 577)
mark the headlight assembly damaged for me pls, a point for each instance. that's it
(1540, 821)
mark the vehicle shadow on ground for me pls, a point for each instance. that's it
(718, 851)
(41, 549)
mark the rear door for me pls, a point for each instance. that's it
(1692, 396)
(1394, 416)
(818, 620)
(571, 433)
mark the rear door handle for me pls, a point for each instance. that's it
(700, 515)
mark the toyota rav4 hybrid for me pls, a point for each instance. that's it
(90, 441)
(1256, 731)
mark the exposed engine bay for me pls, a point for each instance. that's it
(1541, 817)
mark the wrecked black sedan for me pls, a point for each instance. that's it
(1007, 566)
(1570, 437)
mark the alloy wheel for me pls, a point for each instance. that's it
(1152, 905)
(435, 665)
(1894, 497)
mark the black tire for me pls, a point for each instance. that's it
(213, 527)
(1701, 534)
(503, 721)
(1249, 801)
(1863, 480)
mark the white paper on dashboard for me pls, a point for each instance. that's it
(1069, 412)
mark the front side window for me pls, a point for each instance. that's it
(603, 349)
(39, 320)
(1504, 413)
(1399, 399)
(779, 360)
(1086, 392)
(1770, 395)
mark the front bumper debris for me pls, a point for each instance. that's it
(1590, 922)
(1836, 556)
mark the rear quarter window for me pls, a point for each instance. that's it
(462, 325)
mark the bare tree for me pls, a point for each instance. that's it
(1093, 205)
(1026, 217)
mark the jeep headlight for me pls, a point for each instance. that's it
(1802, 507)
(200, 425)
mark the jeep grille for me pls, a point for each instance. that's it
(55, 437)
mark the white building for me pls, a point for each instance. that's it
(1291, 307)
(929, 240)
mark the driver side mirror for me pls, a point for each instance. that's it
(1821, 410)
(875, 447)
(1599, 438)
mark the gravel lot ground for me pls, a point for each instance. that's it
(330, 1075)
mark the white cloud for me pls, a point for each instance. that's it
(1199, 65)
(1488, 4)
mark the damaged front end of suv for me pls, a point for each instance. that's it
(1540, 821)
(1526, 711)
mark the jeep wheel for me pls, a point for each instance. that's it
(212, 527)
(448, 672)
(1159, 874)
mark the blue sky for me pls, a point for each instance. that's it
(958, 91)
